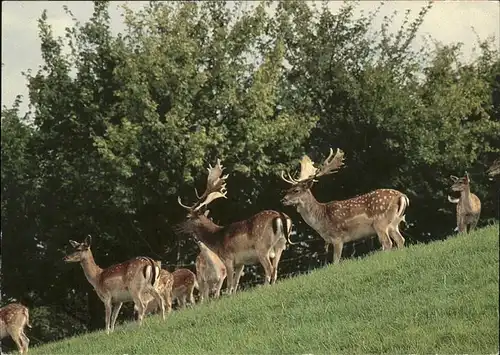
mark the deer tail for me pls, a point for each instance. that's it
(27, 315)
(453, 200)
(283, 225)
(404, 202)
(155, 271)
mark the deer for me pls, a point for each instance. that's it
(494, 169)
(177, 286)
(338, 222)
(468, 204)
(259, 238)
(119, 283)
(210, 271)
(164, 288)
(14, 317)
(184, 284)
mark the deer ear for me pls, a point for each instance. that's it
(74, 244)
(88, 240)
(454, 178)
(206, 213)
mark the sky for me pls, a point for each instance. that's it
(447, 22)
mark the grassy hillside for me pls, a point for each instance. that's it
(435, 298)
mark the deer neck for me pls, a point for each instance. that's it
(208, 256)
(91, 269)
(206, 230)
(311, 210)
(465, 198)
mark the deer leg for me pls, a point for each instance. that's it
(275, 264)
(107, 314)
(16, 336)
(383, 237)
(114, 315)
(206, 291)
(167, 300)
(159, 301)
(139, 305)
(327, 245)
(237, 276)
(338, 245)
(182, 301)
(230, 277)
(461, 223)
(26, 341)
(191, 297)
(202, 287)
(218, 287)
(395, 234)
(462, 228)
(353, 246)
(473, 224)
(168, 304)
(268, 268)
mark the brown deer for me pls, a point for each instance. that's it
(257, 239)
(13, 318)
(124, 282)
(468, 204)
(210, 271)
(164, 288)
(494, 169)
(183, 286)
(337, 222)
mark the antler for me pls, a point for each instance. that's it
(332, 163)
(308, 171)
(216, 187)
(290, 179)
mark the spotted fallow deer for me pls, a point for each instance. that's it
(183, 287)
(494, 169)
(468, 204)
(338, 222)
(260, 238)
(13, 318)
(177, 286)
(210, 271)
(124, 282)
(164, 288)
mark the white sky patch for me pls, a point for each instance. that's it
(446, 22)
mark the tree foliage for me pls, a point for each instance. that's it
(123, 124)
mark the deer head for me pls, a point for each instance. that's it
(82, 251)
(215, 188)
(308, 174)
(460, 184)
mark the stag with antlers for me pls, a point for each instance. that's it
(13, 318)
(124, 282)
(468, 204)
(338, 222)
(260, 238)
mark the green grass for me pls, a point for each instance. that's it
(436, 298)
